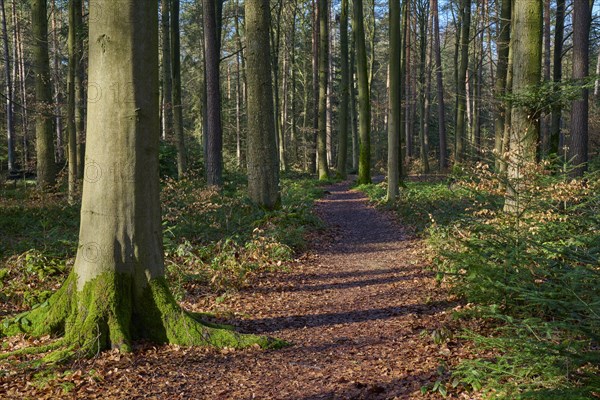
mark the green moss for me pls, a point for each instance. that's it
(107, 313)
(165, 322)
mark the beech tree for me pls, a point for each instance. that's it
(526, 47)
(117, 290)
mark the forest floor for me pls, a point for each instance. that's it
(365, 317)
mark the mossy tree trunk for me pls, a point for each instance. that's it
(117, 291)
(344, 117)
(263, 168)
(323, 78)
(364, 102)
(44, 120)
(526, 44)
(394, 102)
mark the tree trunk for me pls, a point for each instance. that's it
(44, 129)
(559, 30)
(176, 82)
(74, 9)
(117, 291)
(80, 97)
(10, 120)
(214, 134)
(425, 87)
(460, 128)
(443, 158)
(526, 43)
(394, 102)
(263, 168)
(323, 78)
(167, 76)
(60, 154)
(344, 117)
(578, 149)
(315, 65)
(364, 102)
(503, 43)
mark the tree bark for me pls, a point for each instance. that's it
(263, 168)
(526, 43)
(10, 120)
(503, 43)
(578, 149)
(214, 134)
(176, 82)
(364, 102)
(167, 76)
(323, 78)
(555, 128)
(44, 129)
(443, 157)
(74, 8)
(343, 117)
(460, 127)
(394, 102)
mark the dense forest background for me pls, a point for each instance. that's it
(428, 88)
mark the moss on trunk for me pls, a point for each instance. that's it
(108, 313)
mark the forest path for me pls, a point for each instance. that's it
(359, 310)
(355, 313)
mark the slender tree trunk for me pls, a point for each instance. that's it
(343, 118)
(74, 8)
(315, 49)
(443, 158)
(10, 120)
(503, 43)
(80, 97)
(353, 107)
(22, 87)
(263, 169)
(323, 78)
(60, 153)
(557, 77)
(547, 118)
(394, 105)
(167, 78)
(460, 128)
(44, 130)
(403, 87)
(176, 82)
(425, 87)
(408, 131)
(578, 149)
(364, 102)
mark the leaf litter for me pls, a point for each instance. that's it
(365, 317)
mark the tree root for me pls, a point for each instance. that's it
(110, 313)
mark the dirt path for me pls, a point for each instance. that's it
(355, 313)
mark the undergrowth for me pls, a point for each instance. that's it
(213, 239)
(530, 277)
